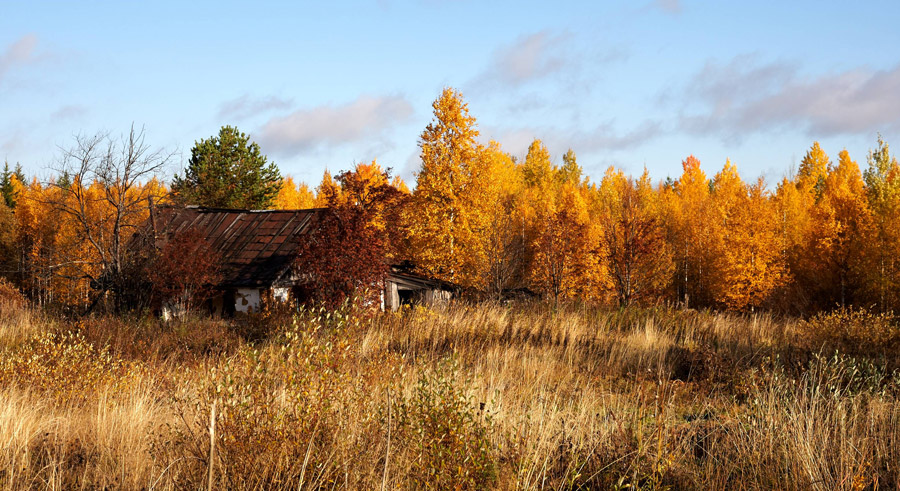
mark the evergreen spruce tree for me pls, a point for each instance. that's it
(228, 171)
(7, 193)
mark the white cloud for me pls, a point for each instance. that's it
(743, 96)
(366, 118)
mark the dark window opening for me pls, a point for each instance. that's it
(228, 309)
(408, 297)
(301, 295)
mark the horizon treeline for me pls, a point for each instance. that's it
(827, 236)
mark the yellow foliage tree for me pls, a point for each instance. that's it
(538, 171)
(694, 234)
(752, 263)
(883, 188)
(293, 197)
(505, 241)
(841, 222)
(327, 192)
(448, 218)
(813, 171)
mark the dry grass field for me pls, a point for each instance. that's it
(471, 397)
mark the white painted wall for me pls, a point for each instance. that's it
(246, 300)
(281, 293)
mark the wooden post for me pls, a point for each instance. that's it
(212, 445)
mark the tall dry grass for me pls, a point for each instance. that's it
(470, 397)
(106, 443)
(19, 322)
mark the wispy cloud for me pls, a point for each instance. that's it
(13, 142)
(70, 111)
(246, 106)
(606, 137)
(544, 70)
(743, 96)
(669, 6)
(529, 58)
(602, 137)
(366, 118)
(20, 52)
(539, 56)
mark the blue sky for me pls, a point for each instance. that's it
(327, 84)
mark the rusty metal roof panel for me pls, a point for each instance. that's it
(256, 247)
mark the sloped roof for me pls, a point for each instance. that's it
(256, 246)
(405, 274)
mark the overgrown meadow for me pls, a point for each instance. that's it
(474, 396)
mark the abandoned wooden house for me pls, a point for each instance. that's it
(257, 249)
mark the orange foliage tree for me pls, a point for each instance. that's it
(50, 266)
(569, 258)
(841, 222)
(827, 235)
(795, 199)
(346, 254)
(639, 258)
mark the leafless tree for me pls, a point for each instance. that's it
(107, 216)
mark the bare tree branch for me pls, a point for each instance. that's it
(105, 192)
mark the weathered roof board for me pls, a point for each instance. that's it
(414, 281)
(256, 246)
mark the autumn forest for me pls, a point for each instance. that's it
(826, 236)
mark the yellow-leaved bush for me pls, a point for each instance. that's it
(284, 410)
(67, 368)
(854, 331)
